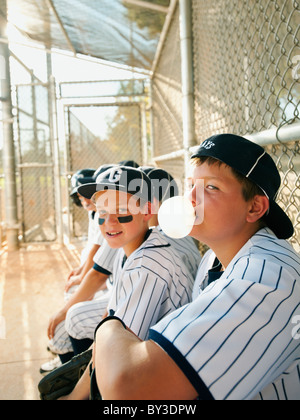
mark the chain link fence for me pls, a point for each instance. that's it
(167, 106)
(109, 131)
(245, 69)
(120, 139)
(246, 57)
(36, 202)
(287, 157)
(2, 215)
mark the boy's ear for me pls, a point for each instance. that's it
(259, 207)
(155, 206)
(148, 210)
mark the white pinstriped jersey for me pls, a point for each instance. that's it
(150, 284)
(237, 339)
(187, 250)
(105, 258)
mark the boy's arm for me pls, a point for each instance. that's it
(129, 369)
(81, 391)
(92, 282)
(90, 261)
(75, 272)
(84, 269)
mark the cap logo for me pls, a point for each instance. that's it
(207, 144)
(115, 175)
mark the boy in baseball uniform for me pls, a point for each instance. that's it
(71, 330)
(90, 284)
(83, 318)
(94, 239)
(237, 339)
(150, 278)
(94, 242)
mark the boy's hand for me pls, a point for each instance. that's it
(53, 323)
(72, 281)
(75, 272)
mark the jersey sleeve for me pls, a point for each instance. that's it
(236, 337)
(101, 270)
(137, 300)
(98, 238)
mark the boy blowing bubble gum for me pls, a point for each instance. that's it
(236, 339)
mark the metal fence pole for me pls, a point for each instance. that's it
(144, 134)
(186, 37)
(12, 227)
(56, 157)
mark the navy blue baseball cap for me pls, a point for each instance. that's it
(80, 177)
(121, 178)
(255, 164)
(130, 163)
(108, 166)
(84, 176)
(101, 170)
(164, 184)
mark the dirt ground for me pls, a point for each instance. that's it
(31, 290)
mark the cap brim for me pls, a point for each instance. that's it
(83, 182)
(89, 190)
(279, 222)
(74, 191)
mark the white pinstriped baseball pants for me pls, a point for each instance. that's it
(81, 322)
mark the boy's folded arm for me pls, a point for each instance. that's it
(91, 283)
(132, 369)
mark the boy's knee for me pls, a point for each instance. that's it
(71, 321)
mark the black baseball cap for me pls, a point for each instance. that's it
(84, 176)
(255, 164)
(164, 184)
(100, 170)
(130, 163)
(121, 178)
(108, 166)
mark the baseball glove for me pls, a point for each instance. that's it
(63, 380)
